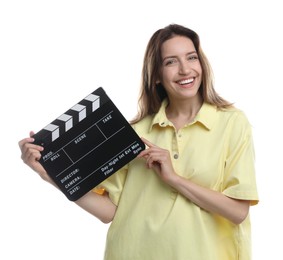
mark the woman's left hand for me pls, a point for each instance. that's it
(159, 160)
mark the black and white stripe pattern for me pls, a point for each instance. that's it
(69, 119)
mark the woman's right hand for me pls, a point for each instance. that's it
(98, 205)
(31, 155)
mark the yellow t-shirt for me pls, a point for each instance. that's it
(154, 222)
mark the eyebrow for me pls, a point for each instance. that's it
(174, 56)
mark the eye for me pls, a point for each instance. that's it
(192, 57)
(169, 62)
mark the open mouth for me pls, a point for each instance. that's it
(186, 81)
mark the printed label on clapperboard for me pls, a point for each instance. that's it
(91, 150)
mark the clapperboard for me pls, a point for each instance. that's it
(87, 144)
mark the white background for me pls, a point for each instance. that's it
(54, 53)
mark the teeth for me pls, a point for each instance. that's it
(187, 81)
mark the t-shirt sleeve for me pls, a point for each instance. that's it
(113, 185)
(240, 180)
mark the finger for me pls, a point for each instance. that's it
(27, 144)
(33, 155)
(30, 155)
(29, 139)
(149, 151)
(146, 153)
(25, 140)
(148, 143)
(149, 162)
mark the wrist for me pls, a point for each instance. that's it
(173, 180)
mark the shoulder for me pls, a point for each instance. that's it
(143, 125)
(233, 116)
(238, 127)
(221, 119)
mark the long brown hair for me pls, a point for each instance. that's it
(152, 95)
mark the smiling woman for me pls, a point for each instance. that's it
(181, 69)
(198, 165)
(181, 75)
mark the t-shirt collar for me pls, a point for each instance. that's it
(206, 116)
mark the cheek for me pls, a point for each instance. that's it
(168, 74)
(198, 68)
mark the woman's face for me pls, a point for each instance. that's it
(181, 72)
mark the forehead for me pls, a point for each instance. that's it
(176, 46)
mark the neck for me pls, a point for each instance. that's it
(186, 107)
(181, 112)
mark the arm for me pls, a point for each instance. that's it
(99, 206)
(210, 200)
(159, 160)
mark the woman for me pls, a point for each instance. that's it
(187, 196)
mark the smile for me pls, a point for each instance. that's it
(185, 81)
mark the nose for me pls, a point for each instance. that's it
(184, 68)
